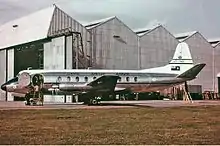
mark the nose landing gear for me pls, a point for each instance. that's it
(35, 97)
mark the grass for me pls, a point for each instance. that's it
(182, 125)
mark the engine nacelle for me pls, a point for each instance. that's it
(37, 80)
(72, 87)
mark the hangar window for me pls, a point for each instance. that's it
(135, 79)
(86, 79)
(94, 78)
(127, 79)
(77, 79)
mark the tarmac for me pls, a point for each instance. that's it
(10, 105)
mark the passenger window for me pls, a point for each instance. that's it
(86, 79)
(77, 79)
(94, 78)
(68, 78)
(127, 79)
(135, 79)
(59, 79)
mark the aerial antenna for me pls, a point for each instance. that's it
(29, 68)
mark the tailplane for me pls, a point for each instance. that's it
(192, 72)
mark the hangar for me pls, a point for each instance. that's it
(157, 46)
(51, 39)
(113, 44)
(48, 39)
(201, 51)
(216, 47)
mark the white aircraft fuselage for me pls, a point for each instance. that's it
(79, 81)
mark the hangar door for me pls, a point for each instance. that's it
(28, 56)
(218, 84)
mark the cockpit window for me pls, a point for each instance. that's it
(13, 80)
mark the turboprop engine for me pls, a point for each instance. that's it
(25, 80)
(72, 87)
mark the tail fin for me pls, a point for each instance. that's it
(192, 72)
(182, 54)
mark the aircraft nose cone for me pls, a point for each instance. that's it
(3, 87)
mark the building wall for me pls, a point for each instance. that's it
(69, 52)
(62, 23)
(2, 73)
(10, 70)
(114, 46)
(54, 58)
(202, 52)
(217, 65)
(157, 48)
(54, 53)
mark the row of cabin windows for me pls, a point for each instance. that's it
(86, 79)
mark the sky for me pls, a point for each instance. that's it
(177, 16)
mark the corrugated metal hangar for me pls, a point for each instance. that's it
(51, 39)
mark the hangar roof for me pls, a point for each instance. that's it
(142, 31)
(96, 23)
(29, 28)
(214, 42)
(185, 35)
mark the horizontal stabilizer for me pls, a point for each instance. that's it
(192, 72)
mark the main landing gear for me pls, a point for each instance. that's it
(95, 101)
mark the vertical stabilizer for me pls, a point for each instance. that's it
(182, 54)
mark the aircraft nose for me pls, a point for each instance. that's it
(3, 87)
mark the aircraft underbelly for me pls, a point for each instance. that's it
(146, 87)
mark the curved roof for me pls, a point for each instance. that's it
(26, 29)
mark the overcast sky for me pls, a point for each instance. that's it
(176, 15)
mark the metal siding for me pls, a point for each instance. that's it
(2, 72)
(202, 52)
(47, 55)
(61, 21)
(54, 54)
(54, 59)
(157, 48)
(10, 71)
(216, 65)
(69, 57)
(110, 53)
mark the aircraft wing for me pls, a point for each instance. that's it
(105, 82)
(192, 72)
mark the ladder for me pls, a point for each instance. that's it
(187, 96)
(80, 59)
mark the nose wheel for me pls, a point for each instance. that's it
(34, 99)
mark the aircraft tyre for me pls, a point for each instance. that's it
(27, 100)
(94, 101)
